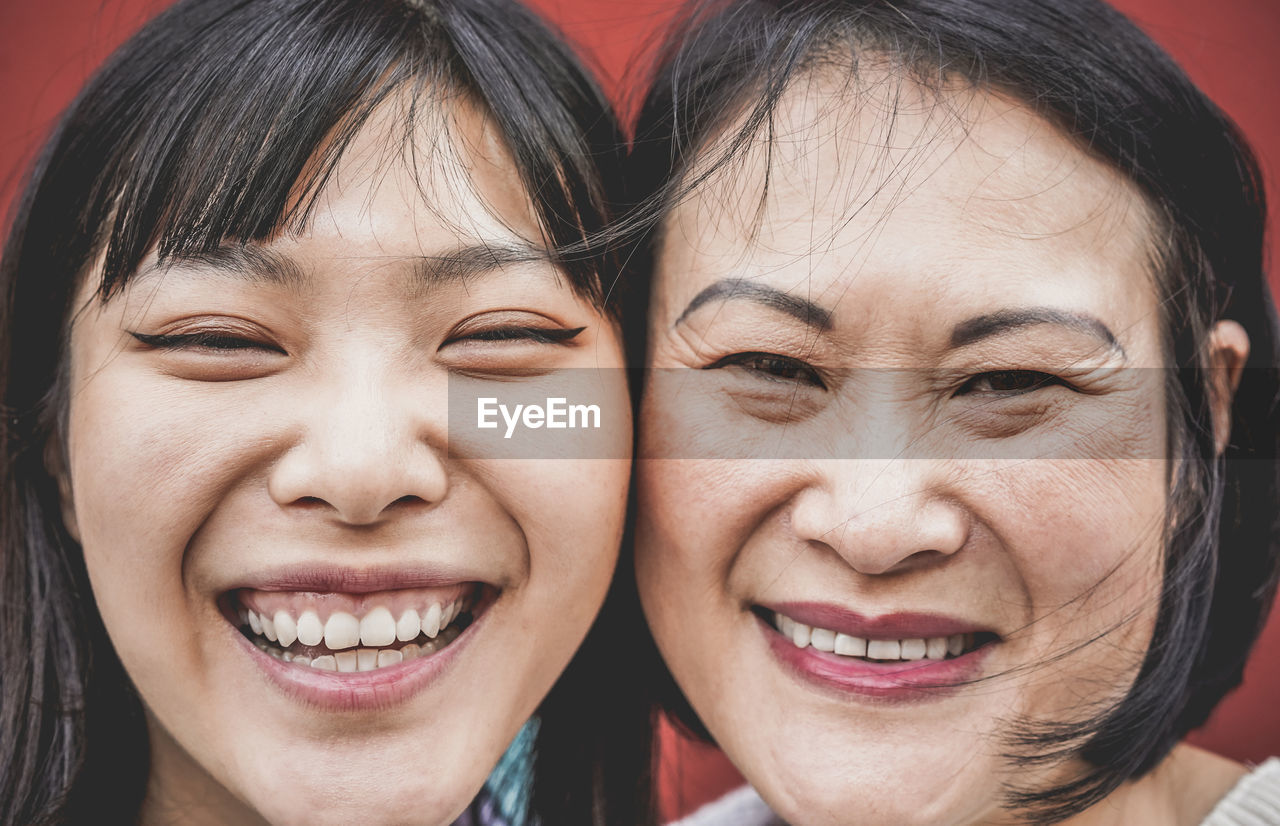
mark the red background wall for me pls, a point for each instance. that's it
(47, 48)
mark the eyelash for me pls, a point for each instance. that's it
(224, 342)
(772, 367)
(206, 340)
(1029, 381)
(538, 335)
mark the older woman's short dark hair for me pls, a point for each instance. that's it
(1086, 69)
(201, 130)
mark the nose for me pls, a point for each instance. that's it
(881, 516)
(365, 449)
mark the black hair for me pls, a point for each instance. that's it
(717, 79)
(200, 131)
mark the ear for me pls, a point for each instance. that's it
(55, 464)
(1228, 351)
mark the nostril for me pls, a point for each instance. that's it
(359, 486)
(314, 503)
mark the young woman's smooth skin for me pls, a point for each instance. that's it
(266, 428)
(943, 319)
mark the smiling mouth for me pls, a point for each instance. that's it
(875, 650)
(356, 633)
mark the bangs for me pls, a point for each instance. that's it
(220, 123)
(229, 119)
(249, 106)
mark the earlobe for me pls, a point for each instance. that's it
(1228, 352)
(55, 464)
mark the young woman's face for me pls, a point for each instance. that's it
(266, 430)
(902, 481)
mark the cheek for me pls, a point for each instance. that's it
(1085, 539)
(1084, 517)
(693, 514)
(694, 520)
(571, 510)
(696, 508)
(146, 473)
(147, 468)
(571, 515)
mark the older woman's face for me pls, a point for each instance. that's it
(902, 481)
(266, 431)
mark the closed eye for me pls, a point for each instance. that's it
(538, 335)
(1009, 383)
(211, 340)
(771, 367)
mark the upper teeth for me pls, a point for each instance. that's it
(823, 639)
(343, 630)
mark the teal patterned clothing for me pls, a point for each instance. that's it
(507, 794)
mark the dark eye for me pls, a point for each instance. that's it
(539, 335)
(207, 340)
(1008, 382)
(772, 367)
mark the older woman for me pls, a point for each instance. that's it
(958, 469)
(253, 569)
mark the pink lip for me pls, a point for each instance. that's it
(358, 691)
(886, 627)
(907, 681)
(354, 691)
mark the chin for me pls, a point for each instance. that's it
(870, 800)
(381, 795)
(862, 779)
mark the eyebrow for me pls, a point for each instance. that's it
(265, 266)
(465, 263)
(1003, 322)
(735, 289)
(242, 261)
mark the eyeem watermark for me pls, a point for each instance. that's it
(556, 414)
(568, 413)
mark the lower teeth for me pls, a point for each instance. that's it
(358, 659)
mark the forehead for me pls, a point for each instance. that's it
(877, 180)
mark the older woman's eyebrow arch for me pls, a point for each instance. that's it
(741, 289)
(1003, 322)
(258, 264)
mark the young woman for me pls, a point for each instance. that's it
(253, 570)
(957, 476)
